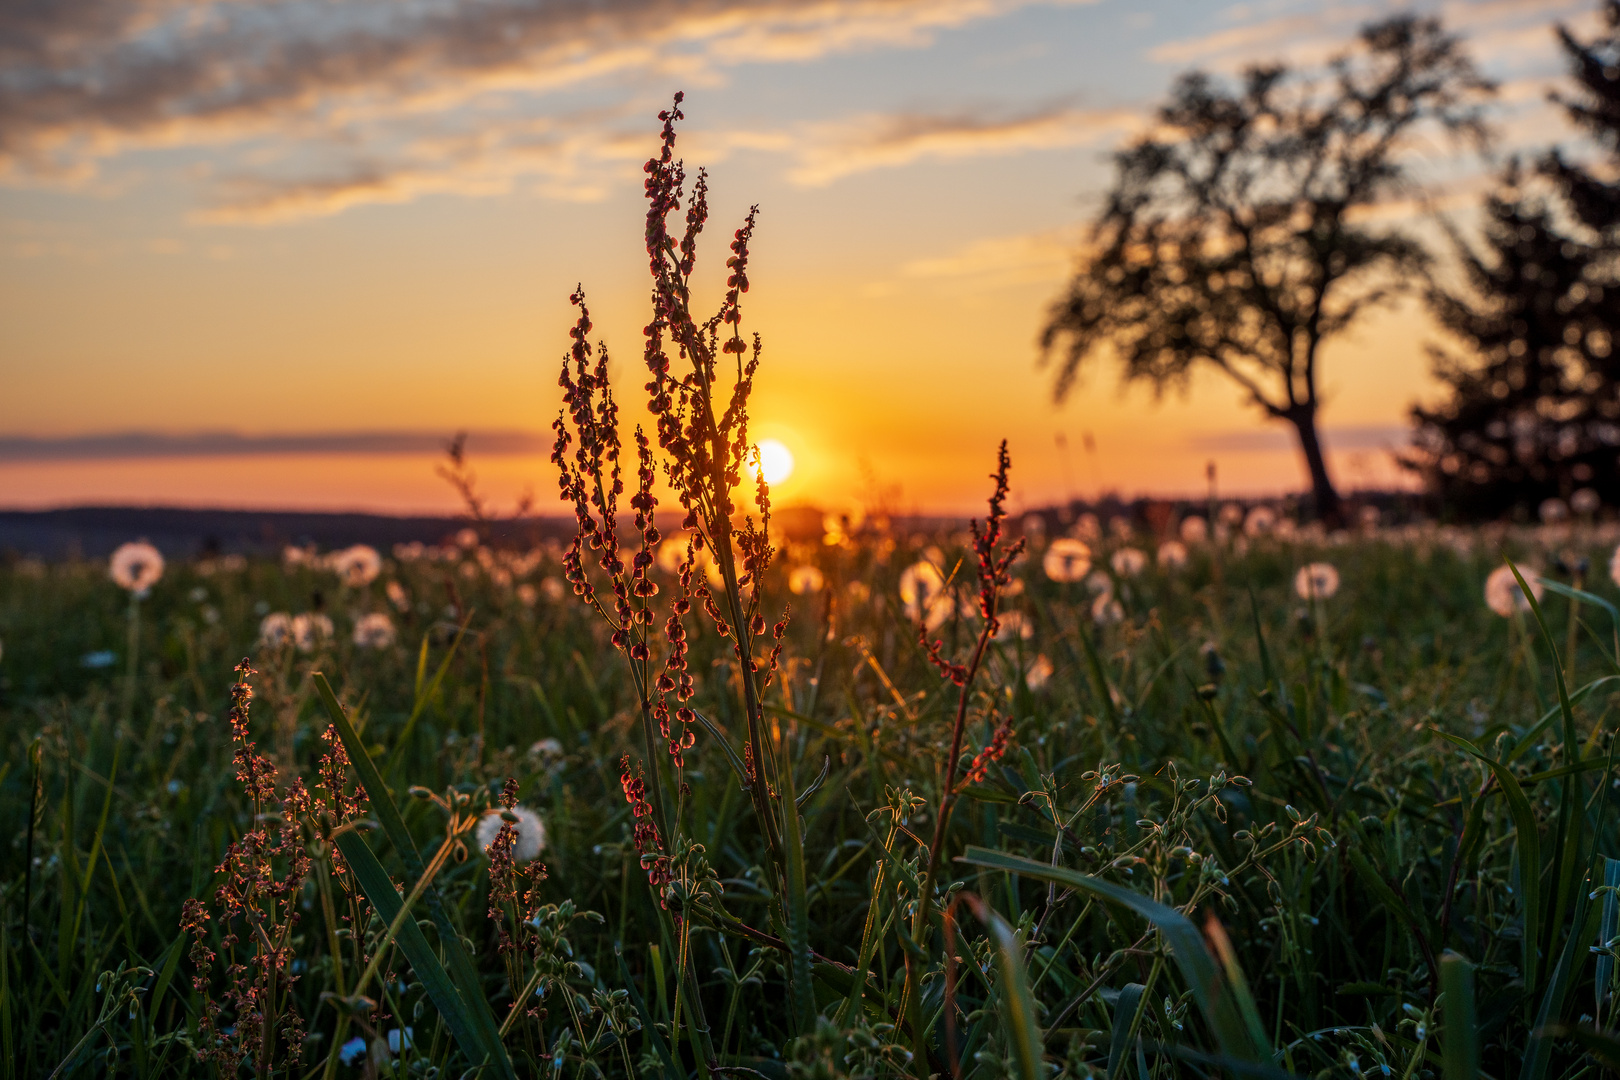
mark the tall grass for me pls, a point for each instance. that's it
(1233, 832)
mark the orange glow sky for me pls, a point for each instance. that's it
(385, 240)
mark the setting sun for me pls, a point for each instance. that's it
(775, 461)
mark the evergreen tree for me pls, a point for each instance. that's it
(1533, 409)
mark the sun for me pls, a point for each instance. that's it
(775, 461)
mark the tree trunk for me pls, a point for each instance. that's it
(1329, 508)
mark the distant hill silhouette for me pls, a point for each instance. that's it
(94, 531)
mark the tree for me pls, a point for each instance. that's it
(1533, 405)
(1237, 236)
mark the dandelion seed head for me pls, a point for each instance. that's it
(1194, 530)
(805, 579)
(1128, 562)
(1316, 581)
(374, 631)
(531, 833)
(275, 629)
(310, 630)
(1067, 559)
(136, 566)
(1502, 592)
(1553, 511)
(1039, 673)
(1585, 501)
(1106, 611)
(357, 566)
(1260, 521)
(1173, 554)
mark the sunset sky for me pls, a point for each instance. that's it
(343, 231)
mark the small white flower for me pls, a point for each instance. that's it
(805, 579)
(358, 566)
(1173, 554)
(466, 539)
(374, 631)
(275, 629)
(1128, 562)
(1067, 559)
(531, 833)
(1502, 592)
(1316, 581)
(310, 630)
(136, 566)
(1194, 530)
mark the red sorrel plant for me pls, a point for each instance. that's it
(256, 903)
(995, 572)
(702, 430)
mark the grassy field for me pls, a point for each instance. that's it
(1228, 830)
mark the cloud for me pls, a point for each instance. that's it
(1353, 437)
(82, 83)
(833, 151)
(137, 444)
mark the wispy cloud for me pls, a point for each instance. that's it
(137, 444)
(341, 86)
(832, 151)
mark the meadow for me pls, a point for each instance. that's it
(1199, 791)
(1364, 820)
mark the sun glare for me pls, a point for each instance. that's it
(775, 461)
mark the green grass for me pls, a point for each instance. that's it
(1356, 847)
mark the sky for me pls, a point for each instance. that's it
(271, 253)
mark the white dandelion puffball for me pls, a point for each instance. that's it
(1316, 581)
(1067, 559)
(1502, 592)
(1553, 511)
(1585, 501)
(358, 566)
(1369, 517)
(310, 630)
(1100, 582)
(671, 553)
(1014, 624)
(1231, 514)
(136, 566)
(1194, 530)
(527, 594)
(1173, 554)
(1087, 527)
(922, 591)
(1106, 611)
(374, 631)
(531, 833)
(805, 579)
(1128, 562)
(275, 629)
(1040, 672)
(398, 596)
(466, 539)
(1261, 520)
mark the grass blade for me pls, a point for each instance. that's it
(450, 1002)
(1460, 1050)
(1126, 1007)
(1017, 999)
(1198, 968)
(382, 804)
(796, 913)
(1608, 927)
(1529, 842)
